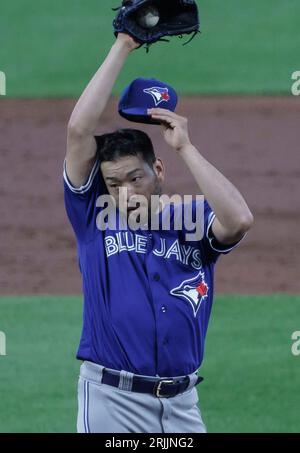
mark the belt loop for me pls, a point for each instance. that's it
(126, 380)
(101, 369)
(193, 379)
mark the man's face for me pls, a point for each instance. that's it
(134, 174)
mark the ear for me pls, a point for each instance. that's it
(159, 169)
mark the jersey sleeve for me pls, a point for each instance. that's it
(213, 248)
(80, 202)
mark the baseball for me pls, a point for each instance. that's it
(148, 17)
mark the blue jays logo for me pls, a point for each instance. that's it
(194, 290)
(158, 94)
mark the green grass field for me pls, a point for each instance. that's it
(53, 48)
(251, 378)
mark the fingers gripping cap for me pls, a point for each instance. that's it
(143, 94)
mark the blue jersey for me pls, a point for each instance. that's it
(147, 294)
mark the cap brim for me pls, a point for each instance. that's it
(137, 115)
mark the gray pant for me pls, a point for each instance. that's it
(106, 409)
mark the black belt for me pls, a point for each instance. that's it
(161, 388)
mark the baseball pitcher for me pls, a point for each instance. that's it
(148, 292)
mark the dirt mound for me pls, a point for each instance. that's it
(253, 141)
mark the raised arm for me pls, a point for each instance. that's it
(233, 217)
(81, 145)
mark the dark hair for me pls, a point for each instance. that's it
(125, 142)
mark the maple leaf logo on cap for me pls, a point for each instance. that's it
(158, 94)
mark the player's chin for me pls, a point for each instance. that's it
(127, 211)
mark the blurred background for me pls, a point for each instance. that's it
(234, 83)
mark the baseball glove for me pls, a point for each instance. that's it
(175, 17)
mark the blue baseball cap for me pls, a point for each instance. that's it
(143, 94)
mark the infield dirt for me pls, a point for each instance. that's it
(253, 141)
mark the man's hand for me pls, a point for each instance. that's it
(128, 41)
(175, 128)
